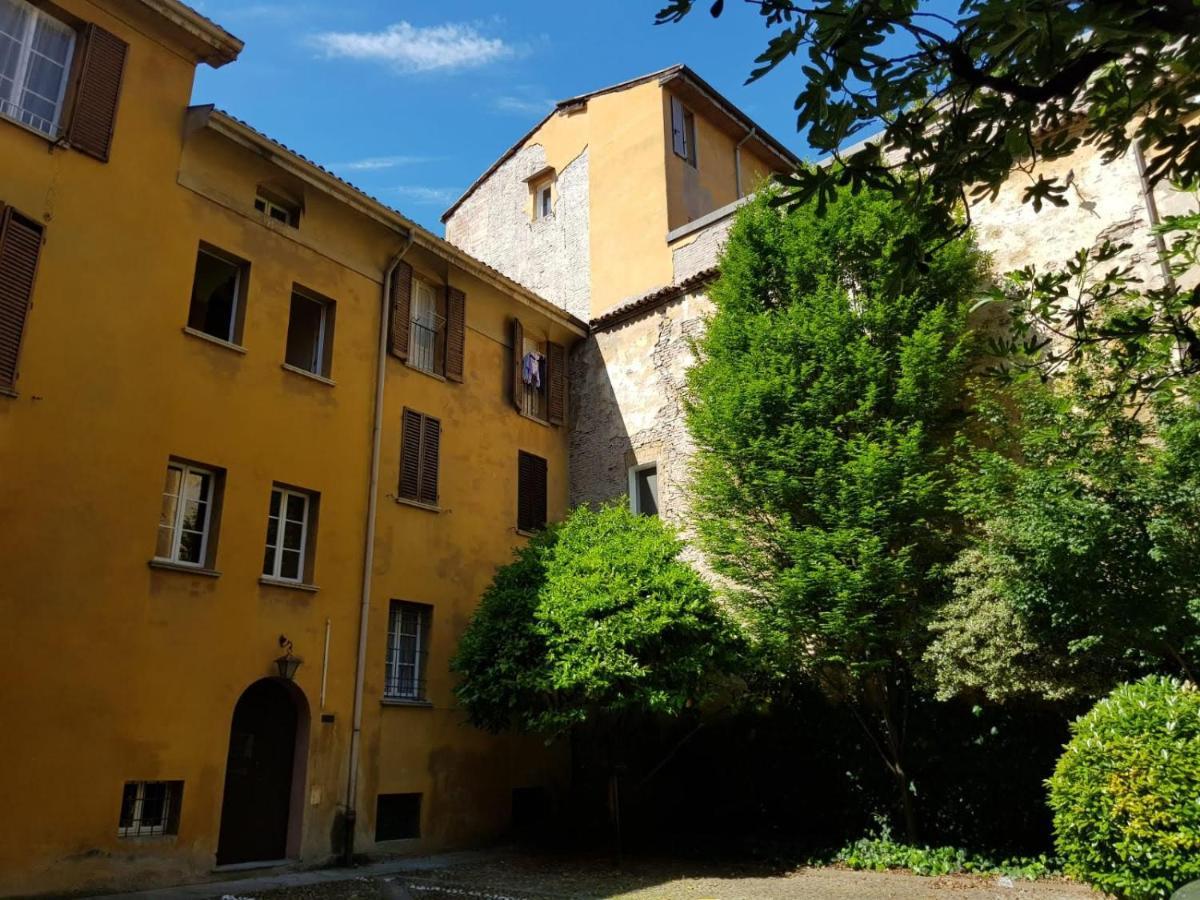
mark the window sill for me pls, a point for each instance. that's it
(228, 345)
(401, 701)
(434, 375)
(296, 370)
(529, 534)
(167, 566)
(533, 418)
(268, 581)
(54, 140)
(429, 507)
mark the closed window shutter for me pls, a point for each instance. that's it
(20, 246)
(518, 345)
(678, 135)
(410, 455)
(456, 333)
(531, 492)
(401, 309)
(556, 362)
(100, 74)
(431, 439)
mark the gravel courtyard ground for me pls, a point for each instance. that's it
(520, 877)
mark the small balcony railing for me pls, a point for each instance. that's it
(423, 349)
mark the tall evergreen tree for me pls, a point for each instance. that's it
(829, 383)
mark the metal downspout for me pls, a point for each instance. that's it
(1160, 242)
(360, 671)
(737, 160)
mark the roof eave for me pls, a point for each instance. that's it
(222, 47)
(239, 132)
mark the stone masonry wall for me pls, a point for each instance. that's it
(550, 256)
(628, 380)
(627, 388)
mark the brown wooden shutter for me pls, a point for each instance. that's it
(401, 309)
(100, 74)
(20, 246)
(456, 333)
(431, 439)
(531, 492)
(556, 396)
(410, 456)
(518, 351)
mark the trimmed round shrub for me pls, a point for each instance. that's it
(1126, 793)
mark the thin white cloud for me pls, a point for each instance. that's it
(522, 106)
(429, 196)
(409, 48)
(377, 163)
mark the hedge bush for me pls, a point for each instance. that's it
(1126, 793)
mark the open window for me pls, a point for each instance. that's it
(643, 489)
(683, 132)
(310, 333)
(218, 294)
(541, 194)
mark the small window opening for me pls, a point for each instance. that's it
(150, 808)
(643, 489)
(397, 817)
(278, 208)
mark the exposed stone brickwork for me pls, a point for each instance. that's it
(627, 381)
(550, 256)
(627, 389)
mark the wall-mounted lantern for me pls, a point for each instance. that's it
(287, 664)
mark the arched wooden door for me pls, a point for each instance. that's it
(259, 774)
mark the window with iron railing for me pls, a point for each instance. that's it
(426, 348)
(407, 651)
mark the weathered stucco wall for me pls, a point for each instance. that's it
(548, 255)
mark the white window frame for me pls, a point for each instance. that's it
(277, 562)
(544, 202)
(136, 828)
(231, 337)
(186, 469)
(395, 617)
(635, 496)
(318, 363)
(36, 15)
(433, 327)
(269, 207)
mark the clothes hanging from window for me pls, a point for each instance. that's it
(533, 367)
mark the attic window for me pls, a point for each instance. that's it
(683, 131)
(541, 187)
(278, 208)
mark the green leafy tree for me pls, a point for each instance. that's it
(823, 405)
(596, 618)
(1084, 567)
(951, 102)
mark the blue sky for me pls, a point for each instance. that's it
(412, 100)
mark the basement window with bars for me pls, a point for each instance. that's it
(150, 808)
(407, 651)
(397, 817)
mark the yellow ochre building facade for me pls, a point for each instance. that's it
(263, 443)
